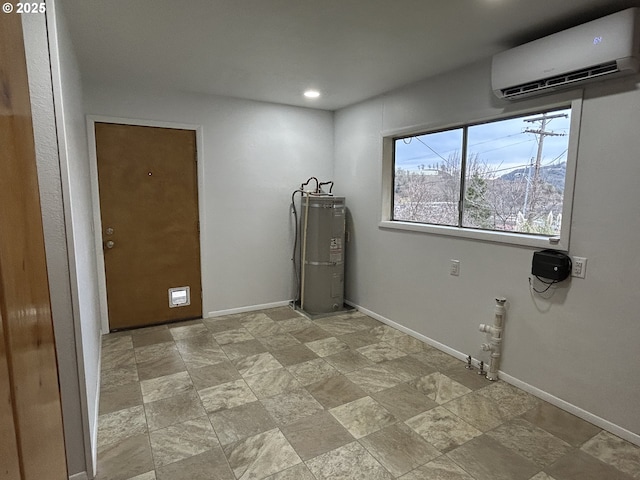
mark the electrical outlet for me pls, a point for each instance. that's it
(454, 267)
(578, 267)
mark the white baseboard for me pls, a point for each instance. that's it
(408, 331)
(249, 308)
(547, 397)
(79, 476)
(571, 408)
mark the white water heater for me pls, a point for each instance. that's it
(322, 254)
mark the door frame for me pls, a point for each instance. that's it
(95, 193)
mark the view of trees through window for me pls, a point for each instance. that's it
(511, 175)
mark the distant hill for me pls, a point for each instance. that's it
(553, 174)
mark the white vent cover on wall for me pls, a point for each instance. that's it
(179, 297)
(604, 48)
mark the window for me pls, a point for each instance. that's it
(509, 179)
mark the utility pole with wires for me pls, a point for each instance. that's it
(542, 133)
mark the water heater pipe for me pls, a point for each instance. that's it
(304, 250)
(495, 344)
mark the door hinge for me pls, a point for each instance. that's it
(198, 225)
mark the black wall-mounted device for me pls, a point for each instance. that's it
(551, 264)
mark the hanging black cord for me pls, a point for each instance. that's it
(295, 238)
(325, 183)
(307, 183)
(548, 284)
(295, 243)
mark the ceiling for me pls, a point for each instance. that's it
(273, 50)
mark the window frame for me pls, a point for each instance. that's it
(572, 100)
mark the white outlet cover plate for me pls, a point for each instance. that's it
(579, 267)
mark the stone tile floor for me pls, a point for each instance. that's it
(272, 395)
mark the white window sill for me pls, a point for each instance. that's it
(520, 239)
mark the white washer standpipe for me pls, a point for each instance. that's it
(495, 344)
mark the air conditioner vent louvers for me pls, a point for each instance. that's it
(559, 80)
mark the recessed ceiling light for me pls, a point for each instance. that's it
(312, 94)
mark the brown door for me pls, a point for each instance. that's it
(149, 206)
(31, 436)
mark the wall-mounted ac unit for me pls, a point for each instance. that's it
(604, 48)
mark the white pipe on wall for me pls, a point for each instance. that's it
(495, 344)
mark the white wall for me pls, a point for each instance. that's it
(53, 220)
(582, 345)
(74, 168)
(254, 155)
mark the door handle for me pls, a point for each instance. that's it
(109, 244)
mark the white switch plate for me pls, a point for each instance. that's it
(578, 267)
(454, 267)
